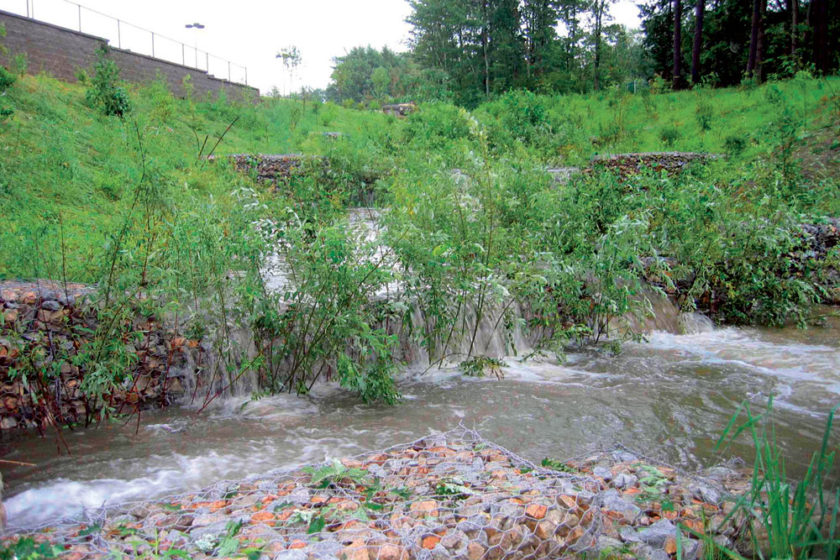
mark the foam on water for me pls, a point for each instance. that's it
(671, 396)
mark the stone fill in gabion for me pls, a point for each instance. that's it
(451, 495)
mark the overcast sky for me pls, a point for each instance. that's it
(251, 32)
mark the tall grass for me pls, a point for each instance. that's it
(783, 518)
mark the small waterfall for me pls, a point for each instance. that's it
(663, 315)
(695, 323)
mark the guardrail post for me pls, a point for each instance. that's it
(153, 43)
(246, 74)
(228, 70)
(183, 55)
(207, 61)
(27, 8)
(80, 17)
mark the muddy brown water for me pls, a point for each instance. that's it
(669, 398)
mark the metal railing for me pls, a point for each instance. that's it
(125, 35)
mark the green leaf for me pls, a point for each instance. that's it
(317, 525)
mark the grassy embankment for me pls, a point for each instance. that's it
(63, 162)
(133, 205)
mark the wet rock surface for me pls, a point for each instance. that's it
(450, 495)
(48, 325)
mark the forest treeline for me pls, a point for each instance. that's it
(466, 51)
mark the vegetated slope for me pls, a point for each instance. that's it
(476, 228)
(62, 162)
(64, 166)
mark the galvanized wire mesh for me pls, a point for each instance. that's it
(451, 495)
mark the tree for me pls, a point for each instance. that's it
(677, 72)
(699, 9)
(599, 16)
(822, 49)
(793, 8)
(758, 8)
(539, 18)
(290, 56)
(381, 79)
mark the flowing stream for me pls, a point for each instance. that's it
(669, 397)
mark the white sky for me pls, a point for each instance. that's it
(251, 32)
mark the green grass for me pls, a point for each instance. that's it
(65, 166)
(134, 205)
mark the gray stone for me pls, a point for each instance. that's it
(299, 496)
(245, 501)
(625, 480)
(705, 493)
(603, 472)
(325, 548)
(613, 501)
(658, 533)
(629, 535)
(295, 554)
(624, 456)
(690, 549)
(649, 553)
(208, 531)
(50, 305)
(608, 543)
(454, 539)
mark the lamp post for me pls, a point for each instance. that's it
(197, 26)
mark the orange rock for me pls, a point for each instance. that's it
(694, 525)
(297, 544)
(569, 501)
(537, 511)
(428, 507)
(387, 551)
(262, 516)
(318, 500)
(430, 541)
(378, 459)
(475, 551)
(445, 451)
(671, 545)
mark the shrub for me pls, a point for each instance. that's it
(6, 79)
(704, 114)
(734, 145)
(105, 92)
(669, 135)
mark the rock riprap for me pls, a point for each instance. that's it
(451, 495)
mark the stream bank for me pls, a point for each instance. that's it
(452, 495)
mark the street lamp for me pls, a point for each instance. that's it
(196, 26)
